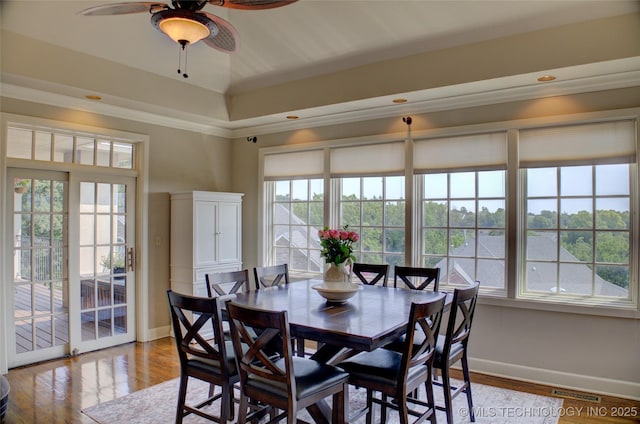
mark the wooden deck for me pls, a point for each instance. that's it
(50, 319)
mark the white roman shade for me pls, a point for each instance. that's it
(476, 151)
(372, 159)
(612, 142)
(305, 164)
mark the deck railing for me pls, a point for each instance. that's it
(41, 261)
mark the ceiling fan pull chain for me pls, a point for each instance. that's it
(179, 59)
(185, 75)
(184, 47)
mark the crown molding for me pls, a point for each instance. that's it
(441, 100)
(166, 118)
(473, 94)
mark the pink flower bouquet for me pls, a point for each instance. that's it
(337, 245)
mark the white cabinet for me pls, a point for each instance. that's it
(206, 237)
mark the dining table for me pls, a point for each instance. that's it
(372, 318)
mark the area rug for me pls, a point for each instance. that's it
(157, 405)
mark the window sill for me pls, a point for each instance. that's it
(577, 306)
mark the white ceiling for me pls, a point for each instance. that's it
(301, 40)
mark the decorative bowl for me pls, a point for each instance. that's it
(337, 292)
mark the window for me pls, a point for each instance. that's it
(55, 146)
(576, 184)
(463, 227)
(546, 213)
(578, 232)
(374, 207)
(371, 199)
(462, 210)
(297, 212)
(294, 191)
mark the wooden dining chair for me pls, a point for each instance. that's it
(223, 283)
(416, 278)
(371, 274)
(209, 360)
(452, 347)
(399, 374)
(283, 381)
(270, 276)
(273, 276)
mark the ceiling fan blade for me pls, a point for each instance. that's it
(227, 39)
(124, 8)
(251, 4)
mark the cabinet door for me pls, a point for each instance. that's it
(204, 233)
(229, 235)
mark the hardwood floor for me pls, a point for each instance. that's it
(56, 391)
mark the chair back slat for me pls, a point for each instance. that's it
(264, 338)
(422, 333)
(271, 276)
(371, 274)
(461, 316)
(218, 282)
(416, 278)
(189, 316)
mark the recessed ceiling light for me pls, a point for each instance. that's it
(93, 97)
(399, 100)
(292, 116)
(546, 78)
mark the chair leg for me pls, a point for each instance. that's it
(242, 411)
(369, 406)
(383, 409)
(428, 387)
(292, 412)
(340, 401)
(446, 388)
(226, 404)
(403, 411)
(182, 395)
(467, 381)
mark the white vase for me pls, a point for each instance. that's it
(340, 273)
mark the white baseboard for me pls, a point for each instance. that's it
(157, 333)
(585, 383)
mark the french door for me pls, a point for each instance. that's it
(72, 263)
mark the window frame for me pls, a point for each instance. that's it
(337, 183)
(524, 292)
(477, 228)
(511, 297)
(270, 187)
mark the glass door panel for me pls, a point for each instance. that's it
(40, 277)
(104, 263)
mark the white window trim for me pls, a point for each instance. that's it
(491, 297)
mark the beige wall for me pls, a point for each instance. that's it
(566, 349)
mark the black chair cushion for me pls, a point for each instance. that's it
(439, 361)
(381, 365)
(212, 366)
(310, 376)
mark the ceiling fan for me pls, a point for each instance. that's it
(186, 23)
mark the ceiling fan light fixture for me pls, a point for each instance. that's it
(184, 27)
(180, 29)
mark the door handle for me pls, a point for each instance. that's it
(131, 259)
